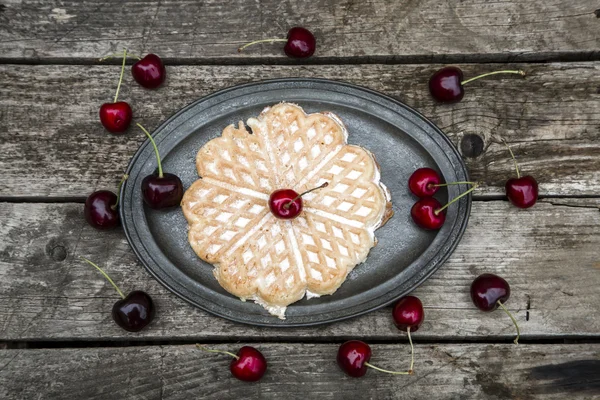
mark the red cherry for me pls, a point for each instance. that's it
(523, 191)
(422, 182)
(426, 214)
(446, 84)
(250, 365)
(285, 204)
(489, 289)
(301, 43)
(134, 311)
(353, 357)
(100, 210)
(160, 190)
(488, 292)
(149, 72)
(116, 117)
(408, 313)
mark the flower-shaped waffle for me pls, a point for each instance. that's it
(272, 261)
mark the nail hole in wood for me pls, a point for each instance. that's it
(471, 145)
(597, 12)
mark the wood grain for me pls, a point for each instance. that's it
(383, 30)
(548, 254)
(54, 145)
(303, 371)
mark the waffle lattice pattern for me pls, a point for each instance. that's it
(272, 261)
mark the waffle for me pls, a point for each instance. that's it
(277, 262)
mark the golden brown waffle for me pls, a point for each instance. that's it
(277, 262)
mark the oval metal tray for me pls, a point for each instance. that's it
(401, 139)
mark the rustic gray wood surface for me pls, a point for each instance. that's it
(57, 338)
(379, 30)
(551, 117)
(304, 371)
(547, 253)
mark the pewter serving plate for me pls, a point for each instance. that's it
(402, 141)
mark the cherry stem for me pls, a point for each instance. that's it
(261, 41)
(105, 275)
(519, 72)
(121, 77)
(412, 352)
(117, 55)
(200, 347)
(513, 157)
(452, 183)
(513, 320)
(288, 205)
(387, 371)
(160, 171)
(114, 206)
(436, 212)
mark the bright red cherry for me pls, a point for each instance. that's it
(287, 204)
(100, 210)
(134, 311)
(247, 365)
(300, 43)
(408, 314)
(488, 292)
(160, 190)
(423, 182)
(149, 72)
(353, 358)
(428, 214)
(116, 117)
(522, 191)
(446, 84)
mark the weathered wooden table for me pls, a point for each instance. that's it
(57, 336)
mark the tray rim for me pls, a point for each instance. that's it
(439, 259)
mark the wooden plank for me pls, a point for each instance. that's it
(549, 255)
(50, 114)
(304, 371)
(380, 29)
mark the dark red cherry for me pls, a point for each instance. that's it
(301, 43)
(285, 204)
(149, 72)
(116, 117)
(445, 85)
(162, 192)
(100, 210)
(489, 289)
(422, 182)
(426, 215)
(523, 191)
(353, 357)
(408, 313)
(250, 365)
(134, 312)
